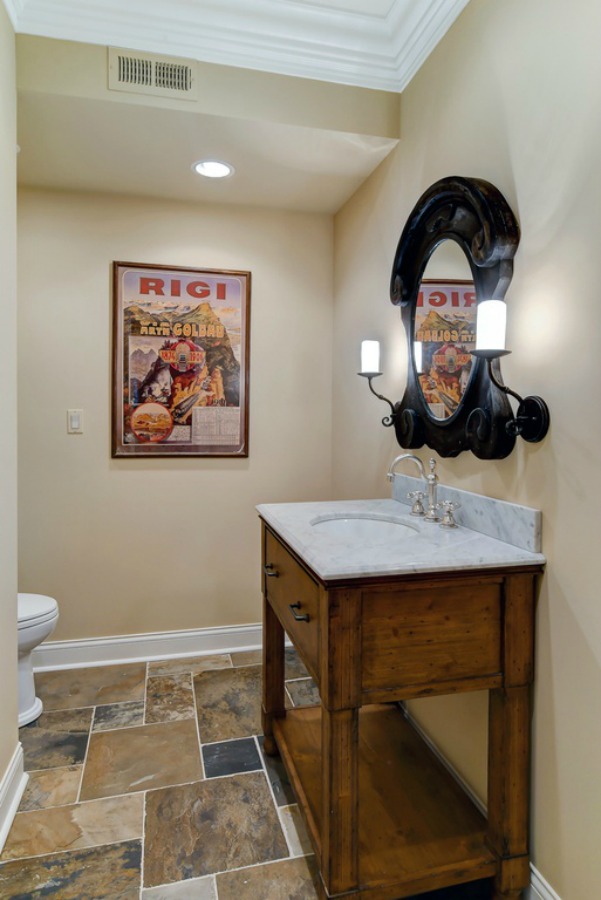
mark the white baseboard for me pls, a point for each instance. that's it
(478, 803)
(539, 889)
(12, 786)
(140, 647)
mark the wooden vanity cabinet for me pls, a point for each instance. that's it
(385, 817)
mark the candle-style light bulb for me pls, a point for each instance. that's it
(490, 325)
(370, 357)
(418, 356)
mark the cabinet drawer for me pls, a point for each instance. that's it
(421, 640)
(289, 585)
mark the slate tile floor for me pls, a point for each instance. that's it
(148, 781)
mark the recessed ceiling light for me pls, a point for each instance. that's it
(213, 168)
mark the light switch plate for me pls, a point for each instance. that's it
(75, 421)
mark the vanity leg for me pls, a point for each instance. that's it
(339, 856)
(273, 705)
(508, 788)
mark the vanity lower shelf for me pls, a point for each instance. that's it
(418, 830)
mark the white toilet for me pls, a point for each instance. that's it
(37, 616)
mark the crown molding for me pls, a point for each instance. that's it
(416, 31)
(14, 9)
(365, 49)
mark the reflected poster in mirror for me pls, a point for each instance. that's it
(180, 361)
(444, 336)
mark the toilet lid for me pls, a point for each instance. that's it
(35, 607)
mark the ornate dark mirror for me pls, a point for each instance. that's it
(455, 252)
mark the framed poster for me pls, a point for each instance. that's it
(180, 361)
(444, 336)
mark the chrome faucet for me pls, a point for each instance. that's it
(431, 480)
(391, 473)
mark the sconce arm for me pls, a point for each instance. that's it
(502, 387)
(387, 421)
(531, 421)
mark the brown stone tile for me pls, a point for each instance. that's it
(58, 738)
(303, 692)
(228, 703)
(51, 787)
(290, 878)
(71, 688)
(295, 667)
(207, 827)
(141, 758)
(102, 873)
(191, 664)
(247, 658)
(118, 715)
(169, 698)
(75, 827)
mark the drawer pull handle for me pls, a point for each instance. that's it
(270, 571)
(293, 607)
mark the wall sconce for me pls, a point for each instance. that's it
(532, 419)
(370, 365)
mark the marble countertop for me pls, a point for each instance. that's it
(427, 548)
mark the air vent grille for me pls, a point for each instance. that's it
(144, 73)
(135, 71)
(173, 77)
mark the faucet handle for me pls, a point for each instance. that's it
(418, 507)
(449, 507)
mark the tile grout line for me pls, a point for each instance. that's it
(273, 797)
(85, 756)
(145, 793)
(246, 737)
(266, 862)
(42, 809)
(227, 775)
(289, 695)
(215, 875)
(195, 701)
(20, 859)
(143, 844)
(145, 693)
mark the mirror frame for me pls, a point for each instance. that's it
(475, 215)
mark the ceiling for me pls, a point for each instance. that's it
(76, 138)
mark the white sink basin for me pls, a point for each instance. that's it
(364, 528)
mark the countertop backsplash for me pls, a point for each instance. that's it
(509, 522)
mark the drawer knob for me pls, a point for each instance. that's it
(293, 607)
(270, 571)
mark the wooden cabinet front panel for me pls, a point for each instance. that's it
(423, 639)
(290, 586)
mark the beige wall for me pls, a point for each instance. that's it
(138, 545)
(512, 95)
(8, 365)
